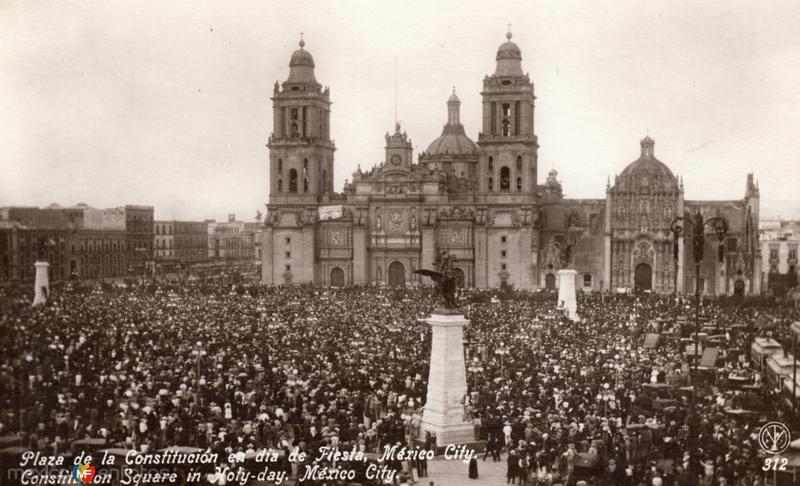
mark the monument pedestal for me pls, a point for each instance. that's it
(447, 382)
(41, 285)
(566, 293)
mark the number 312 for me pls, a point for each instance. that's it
(775, 464)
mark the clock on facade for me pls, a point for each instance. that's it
(396, 159)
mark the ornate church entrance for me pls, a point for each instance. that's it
(337, 277)
(550, 281)
(643, 277)
(738, 288)
(397, 275)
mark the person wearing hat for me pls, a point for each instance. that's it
(512, 466)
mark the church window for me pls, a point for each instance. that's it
(288, 240)
(491, 184)
(721, 253)
(280, 166)
(519, 162)
(493, 120)
(503, 266)
(288, 268)
(502, 253)
(305, 185)
(505, 179)
(516, 118)
(491, 164)
(324, 181)
(519, 184)
(288, 254)
(506, 128)
(503, 239)
(280, 185)
(294, 113)
(506, 110)
(587, 279)
(293, 180)
(773, 268)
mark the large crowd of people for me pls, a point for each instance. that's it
(236, 369)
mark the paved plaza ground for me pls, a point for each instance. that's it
(454, 473)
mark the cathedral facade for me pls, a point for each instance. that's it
(482, 204)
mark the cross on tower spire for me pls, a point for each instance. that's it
(302, 42)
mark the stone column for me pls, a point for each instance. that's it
(41, 285)
(360, 257)
(267, 256)
(447, 382)
(566, 293)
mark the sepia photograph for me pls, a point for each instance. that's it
(351, 242)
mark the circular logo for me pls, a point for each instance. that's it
(774, 438)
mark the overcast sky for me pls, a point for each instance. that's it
(167, 103)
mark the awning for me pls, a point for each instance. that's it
(709, 359)
(651, 340)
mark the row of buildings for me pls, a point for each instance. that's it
(780, 244)
(85, 242)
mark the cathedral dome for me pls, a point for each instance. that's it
(301, 57)
(647, 170)
(301, 66)
(509, 59)
(508, 50)
(452, 142)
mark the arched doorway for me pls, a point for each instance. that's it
(461, 281)
(738, 288)
(550, 281)
(397, 275)
(337, 277)
(643, 277)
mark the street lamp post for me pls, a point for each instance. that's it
(501, 351)
(697, 226)
(358, 343)
(795, 332)
(675, 256)
(475, 368)
(199, 352)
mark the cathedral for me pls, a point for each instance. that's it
(481, 203)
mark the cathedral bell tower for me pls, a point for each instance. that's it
(300, 148)
(300, 174)
(508, 144)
